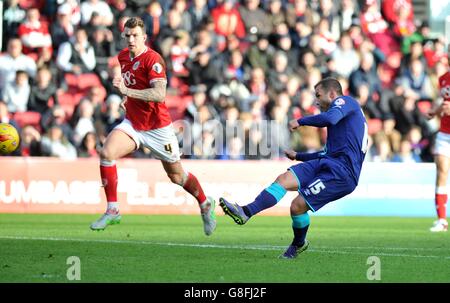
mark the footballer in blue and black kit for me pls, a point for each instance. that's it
(333, 173)
(322, 177)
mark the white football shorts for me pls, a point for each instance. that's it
(442, 144)
(161, 141)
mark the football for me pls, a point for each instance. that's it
(9, 138)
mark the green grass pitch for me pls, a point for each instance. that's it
(35, 248)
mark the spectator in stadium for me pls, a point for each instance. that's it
(416, 81)
(405, 155)
(275, 13)
(442, 152)
(89, 146)
(257, 83)
(301, 34)
(415, 52)
(30, 142)
(182, 8)
(202, 70)
(55, 144)
(34, 34)
(82, 120)
(16, 94)
(154, 20)
(327, 41)
(147, 122)
(77, 56)
(323, 176)
(366, 74)
(14, 60)
(381, 148)
(284, 44)
(43, 93)
(102, 41)
(254, 18)
(119, 8)
(228, 20)
(299, 11)
(100, 7)
(56, 116)
(62, 29)
(114, 113)
(198, 12)
(167, 33)
(345, 56)
(13, 16)
(347, 14)
(375, 27)
(179, 53)
(259, 54)
(279, 73)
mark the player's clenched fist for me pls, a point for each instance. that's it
(118, 83)
(293, 124)
(290, 154)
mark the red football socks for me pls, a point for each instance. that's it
(441, 201)
(193, 187)
(109, 181)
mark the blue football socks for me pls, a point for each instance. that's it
(300, 224)
(266, 199)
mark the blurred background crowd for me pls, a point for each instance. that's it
(236, 62)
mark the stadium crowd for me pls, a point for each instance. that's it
(237, 62)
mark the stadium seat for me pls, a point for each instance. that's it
(82, 82)
(177, 105)
(28, 118)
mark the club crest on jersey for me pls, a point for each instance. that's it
(157, 67)
(136, 65)
(339, 102)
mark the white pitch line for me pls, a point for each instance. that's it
(250, 247)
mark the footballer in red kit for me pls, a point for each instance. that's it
(442, 153)
(147, 122)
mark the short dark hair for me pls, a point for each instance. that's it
(330, 83)
(135, 22)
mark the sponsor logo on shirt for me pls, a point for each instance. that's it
(136, 65)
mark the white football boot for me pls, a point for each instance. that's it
(105, 220)
(209, 216)
(439, 225)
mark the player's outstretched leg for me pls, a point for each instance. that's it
(269, 197)
(190, 184)
(117, 145)
(235, 211)
(108, 173)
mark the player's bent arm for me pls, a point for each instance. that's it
(156, 93)
(330, 117)
(307, 156)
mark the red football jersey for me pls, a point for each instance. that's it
(444, 85)
(139, 73)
